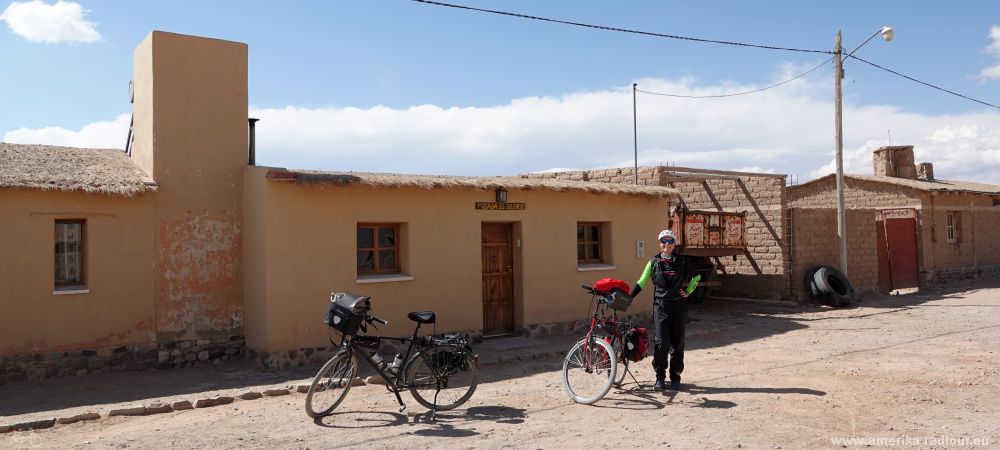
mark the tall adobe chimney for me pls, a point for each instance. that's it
(894, 161)
(190, 113)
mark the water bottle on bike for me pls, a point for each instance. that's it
(378, 360)
(397, 362)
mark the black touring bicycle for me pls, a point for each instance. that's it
(441, 372)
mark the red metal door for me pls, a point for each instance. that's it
(498, 279)
(900, 230)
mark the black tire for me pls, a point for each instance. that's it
(837, 287)
(331, 384)
(810, 285)
(443, 374)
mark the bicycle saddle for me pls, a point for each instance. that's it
(422, 316)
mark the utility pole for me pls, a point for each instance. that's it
(838, 74)
(635, 133)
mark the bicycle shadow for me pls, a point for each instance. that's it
(495, 413)
(360, 419)
(440, 426)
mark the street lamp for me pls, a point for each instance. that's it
(838, 74)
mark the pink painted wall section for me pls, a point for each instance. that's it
(199, 278)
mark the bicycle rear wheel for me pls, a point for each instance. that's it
(442, 377)
(589, 370)
(331, 384)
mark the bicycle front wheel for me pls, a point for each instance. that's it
(331, 384)
(622, 361)
(442, 377)
(589, 370)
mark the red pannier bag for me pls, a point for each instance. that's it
(636, 341)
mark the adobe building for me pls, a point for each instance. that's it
(180, 252)
(906, 228)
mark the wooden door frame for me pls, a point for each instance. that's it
(512, 232)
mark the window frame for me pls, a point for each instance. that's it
(70, 285)
(376, 249)
(588, 243)
(950, 233)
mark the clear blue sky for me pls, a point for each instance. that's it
(342, 56)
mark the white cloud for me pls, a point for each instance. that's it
(63, 21)
(106, 134)
(788, 130)
(992, 72)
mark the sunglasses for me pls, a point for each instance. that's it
(667, 241)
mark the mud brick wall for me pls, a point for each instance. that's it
(858, 194)
(648, 176)
(975, 254)
(762, 274)
(815, 243)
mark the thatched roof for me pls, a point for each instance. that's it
(393, 180)
(102, 171)
(920, 185)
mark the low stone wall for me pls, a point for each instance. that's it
(42, 365)
(945, 277)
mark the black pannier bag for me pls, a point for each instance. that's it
(347, 312)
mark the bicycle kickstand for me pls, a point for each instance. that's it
(402, 406)
(434, 409)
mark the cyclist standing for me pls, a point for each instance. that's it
(668, 272)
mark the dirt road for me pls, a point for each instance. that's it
(919, 370)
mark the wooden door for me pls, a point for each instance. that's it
(498, 279)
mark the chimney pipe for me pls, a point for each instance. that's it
(253, 140)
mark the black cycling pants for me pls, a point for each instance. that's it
(669, 322)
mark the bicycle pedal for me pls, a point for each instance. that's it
(402, 408)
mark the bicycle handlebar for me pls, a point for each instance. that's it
(602, 295)
(376, 319)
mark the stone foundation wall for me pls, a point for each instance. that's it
(945, 277)
(39, 366)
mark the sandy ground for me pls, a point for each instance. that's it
(917, 370)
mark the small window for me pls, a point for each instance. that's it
(70, 259)
(952, 227)
(378, 249)
(588, 243)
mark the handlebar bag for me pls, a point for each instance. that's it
(347, 312)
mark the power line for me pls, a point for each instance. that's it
(711, 41)
(923, 82)
(739, 93)
(622, 30)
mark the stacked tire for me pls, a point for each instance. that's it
(830, 286)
